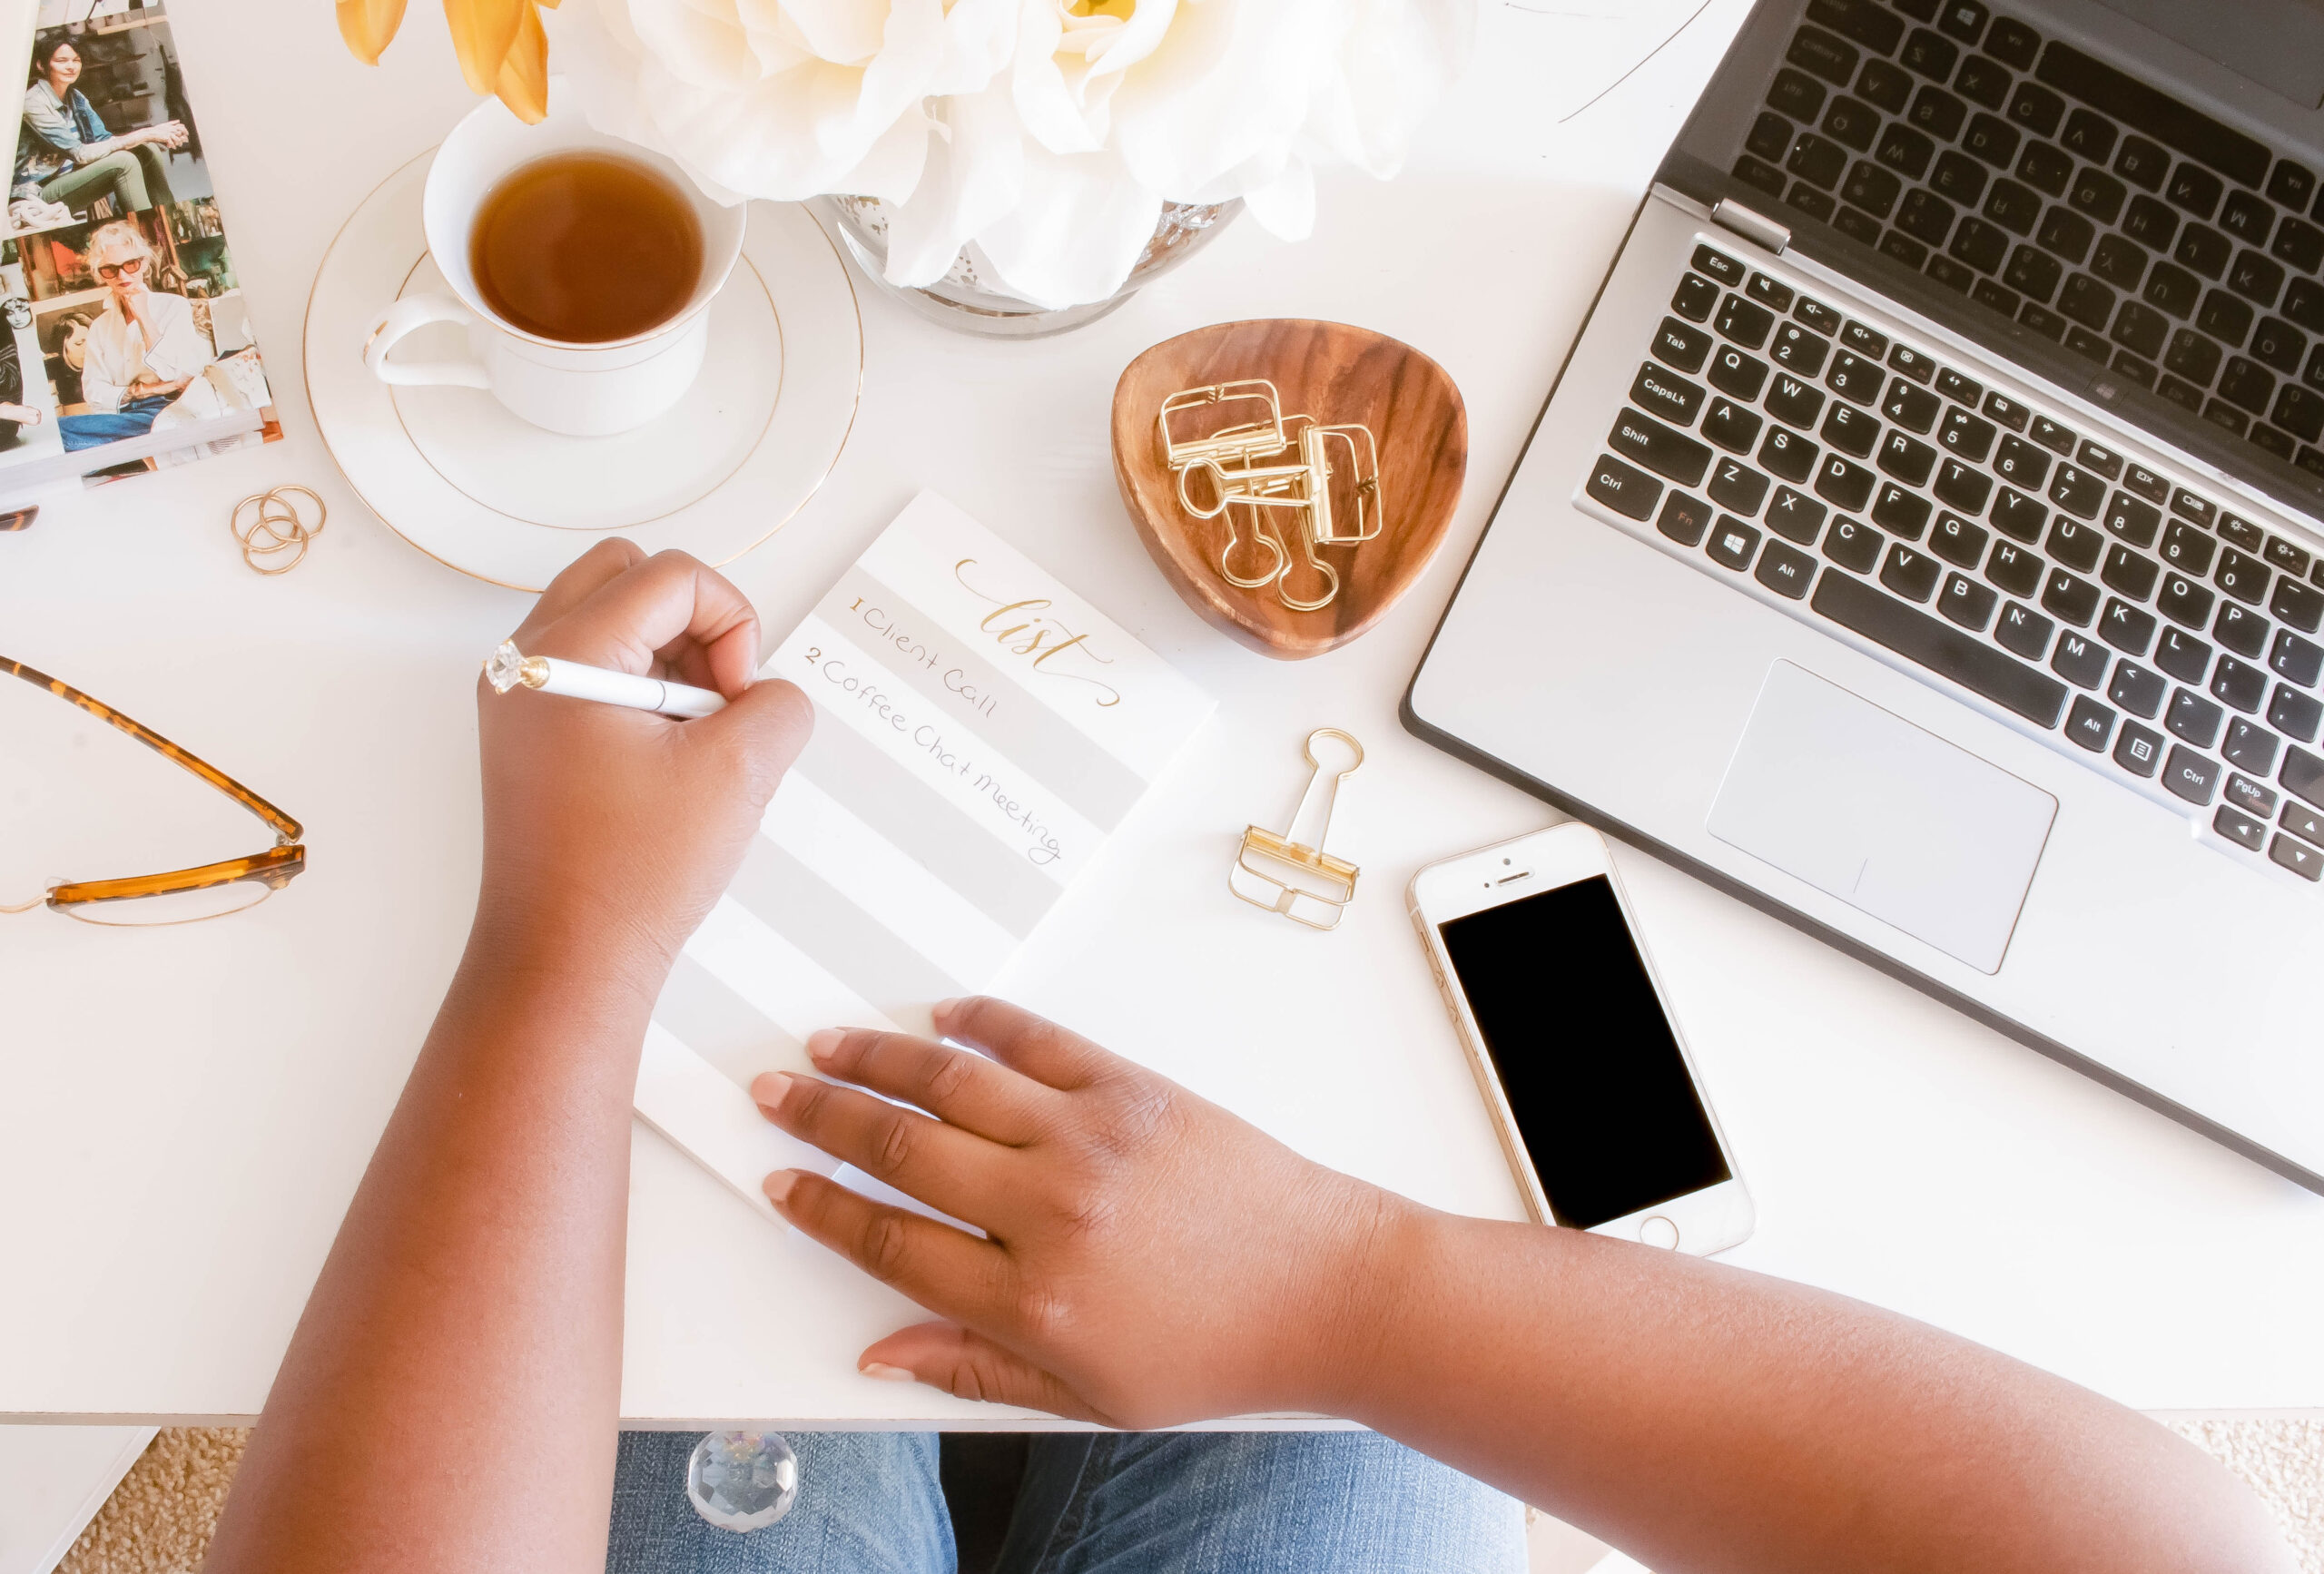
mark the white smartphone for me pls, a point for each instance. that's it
(1573, 1045)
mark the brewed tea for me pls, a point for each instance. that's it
(585, 247)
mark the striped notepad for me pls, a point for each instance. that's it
(980, 731)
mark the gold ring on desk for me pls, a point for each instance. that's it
(267, 523)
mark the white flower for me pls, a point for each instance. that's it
(1049, 133)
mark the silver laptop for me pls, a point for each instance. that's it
(1921, 540)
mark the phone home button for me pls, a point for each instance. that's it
(1658, 1231)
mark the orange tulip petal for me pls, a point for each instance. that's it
(482, 33)
(523, 84)
(369, 26)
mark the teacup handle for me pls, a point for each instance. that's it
(406, 316)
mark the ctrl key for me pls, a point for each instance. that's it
(1626, 490)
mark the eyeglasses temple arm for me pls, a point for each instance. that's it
(288, 829)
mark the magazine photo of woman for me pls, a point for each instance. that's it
(14, 413)
(143, 350)
(66, 154)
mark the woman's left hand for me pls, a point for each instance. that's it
(1149, 1258)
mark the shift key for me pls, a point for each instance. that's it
(1661, 449)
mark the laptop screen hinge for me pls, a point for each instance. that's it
(1754, 227)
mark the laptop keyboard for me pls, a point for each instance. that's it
(2053, 190)
(1860, 483)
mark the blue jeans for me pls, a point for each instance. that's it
(1237, 1503)
(134, 419)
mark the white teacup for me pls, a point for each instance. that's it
(584, 389)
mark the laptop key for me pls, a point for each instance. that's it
(1785, 570)
(1967, 436)
(1844, 484)
(1744, 321)
(2090, 724)
(2249, 795)
(1960, 486)
(2294, 712)
(2193, 718)
(1900, 511)
(2137, 689)
(1697, 299)
(1788, 455)
(1852, 546)
(1850, 430)
(2070, 598)
(2024, 630)
(1719, 266)
(2300, 858)
(1674, 398)
(2133, 521)
(1940, 647)
(2240, 685)
(1854, 378)
(2080, 660)
(1734, 373)
(2078, 546)
(2014, 569)
(1684, 519)
(2293, 657)
(2138, 750)
(1677, 345)
(2125, 627)
(2189, 775)
(1797, 350)
(2183, 656)
(1914, 409)
(1908, 459)
(2238, 826)
(2253, 747)
(1732, 543)
(1665, 452)
(1738, 487)
(2241, 631)
(1630, 492)
(1796, 517)
(2017, 516)
(1958, 541)
(1965, 602)
(1794, 402)
(2129, 572)
(1731, 427)
(2078, 491)
(2302, 821)
(1911, 574)
(2302, 776)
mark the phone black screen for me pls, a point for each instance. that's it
(1602, 1100)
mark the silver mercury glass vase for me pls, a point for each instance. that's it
(969, 298)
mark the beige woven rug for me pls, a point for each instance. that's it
(159, 1519)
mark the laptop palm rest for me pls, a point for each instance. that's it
(1885, 815)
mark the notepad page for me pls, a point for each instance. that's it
(979, 731)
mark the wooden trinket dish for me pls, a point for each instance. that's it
(1338, 375)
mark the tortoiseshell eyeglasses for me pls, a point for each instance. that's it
(184, 895)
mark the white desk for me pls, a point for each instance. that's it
(184, 1114)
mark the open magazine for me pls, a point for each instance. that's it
(127, 343)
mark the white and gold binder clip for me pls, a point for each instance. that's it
(1299, 879)
(1230, 456)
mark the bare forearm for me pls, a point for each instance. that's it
(1706, 1419)
(468, 1318)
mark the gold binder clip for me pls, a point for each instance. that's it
(1308, 456)
(1300, 879)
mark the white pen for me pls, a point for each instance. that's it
(508, 669)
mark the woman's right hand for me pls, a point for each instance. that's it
(1149, 1257)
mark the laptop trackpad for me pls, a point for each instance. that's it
(1861, 804)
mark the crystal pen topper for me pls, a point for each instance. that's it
(507, 668)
